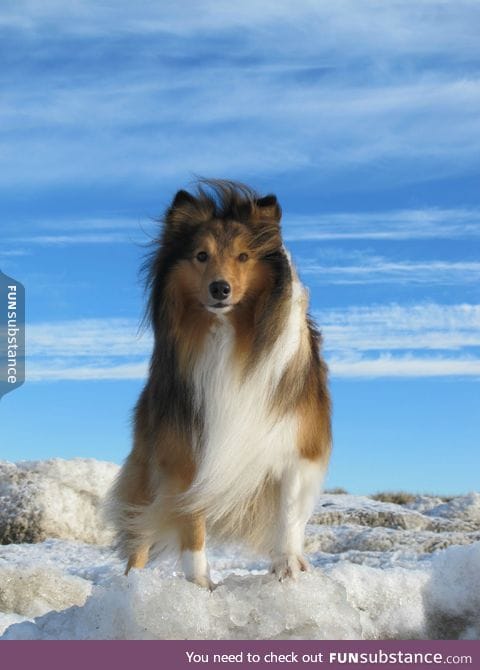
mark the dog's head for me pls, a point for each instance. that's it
(219, 244)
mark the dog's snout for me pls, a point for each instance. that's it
(219, 290)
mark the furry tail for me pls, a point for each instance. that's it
(139, 522)
(254, 522)
(154, 524)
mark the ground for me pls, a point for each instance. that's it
(379, 570)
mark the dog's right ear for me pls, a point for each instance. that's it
(183, 199)
(186, 210)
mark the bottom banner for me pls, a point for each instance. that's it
(188, 655)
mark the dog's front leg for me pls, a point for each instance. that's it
(192, 545)
(299, 486)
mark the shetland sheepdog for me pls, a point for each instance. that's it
(232, 430)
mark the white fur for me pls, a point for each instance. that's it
(195, 566)
(243, 442)
(220, 310)
(299, 488)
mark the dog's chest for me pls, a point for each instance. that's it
(237, 410)
(243, 438)
(216, 377)
(218, 381)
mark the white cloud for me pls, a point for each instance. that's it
(405, 366)
(41, 372)
(87, 337)
(8, 253)
(248, 110)
(107, 223)
(87, 349)
(408, 224)
(78, 238)
(426, 326)
(382, 366)
(409, 26)
(245, 121)
(376, 269)
(435, 340)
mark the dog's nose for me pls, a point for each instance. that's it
(219, 290)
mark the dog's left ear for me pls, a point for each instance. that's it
(266, 215)
(268, 208)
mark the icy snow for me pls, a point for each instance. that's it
(379, 570)
(54, 498)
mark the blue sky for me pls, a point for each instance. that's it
(364, 119)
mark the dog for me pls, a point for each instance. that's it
(232, 432)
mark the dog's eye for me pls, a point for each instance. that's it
(243, 257)
(202, 256)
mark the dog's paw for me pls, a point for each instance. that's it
(289, 565)
(204, 581)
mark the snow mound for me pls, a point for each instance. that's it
(423, 503)
(32, 593)
(349, 538)
(389, 600)
(438, 599)
(54, 498)
(453, 594)
(380, 570)
(339, 509)
(462, 513)
(145, 606)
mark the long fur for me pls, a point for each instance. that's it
(233, 401)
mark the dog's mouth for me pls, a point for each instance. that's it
(220, 307)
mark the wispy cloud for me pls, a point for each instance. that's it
(408, 224)
(405, 366)
(87, 349)
(7, 253)
(67, 230)
(426, 326)
(153, 93)
(377, 269)
(88, 337)
(93, 223)
(422, 340)
(43, 372)
(79, 238)
(378, 341)
(386, 27)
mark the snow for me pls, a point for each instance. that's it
(379, 570)
(54, 498)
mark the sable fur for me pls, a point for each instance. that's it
(232, 401)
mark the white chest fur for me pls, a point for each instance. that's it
(243, 442)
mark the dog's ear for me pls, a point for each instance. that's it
(186, 209)
(182, 199)
(268, 208)
(265, 220)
